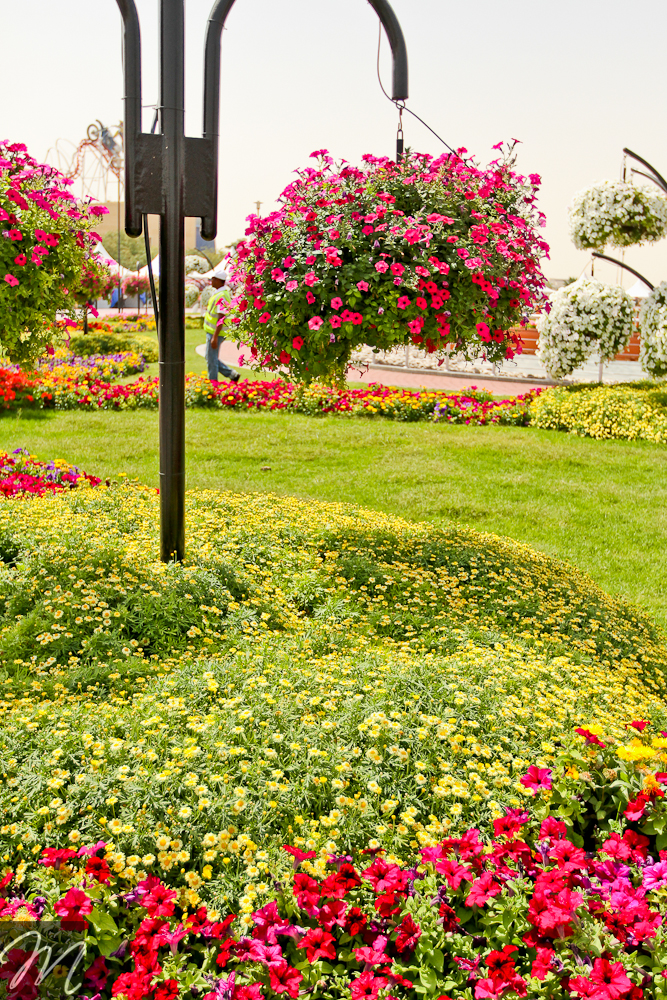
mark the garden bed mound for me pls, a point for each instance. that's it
(312, 673)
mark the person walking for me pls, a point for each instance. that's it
(214, 365)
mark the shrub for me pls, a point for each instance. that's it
(96, 343)
(45, 247)
(433, 252)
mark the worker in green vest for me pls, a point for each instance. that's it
(220, 296)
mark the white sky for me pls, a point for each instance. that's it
(574, 80)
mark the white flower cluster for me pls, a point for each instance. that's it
(617, 213)
(653, 328)
(585, 316)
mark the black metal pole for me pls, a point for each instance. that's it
(173, 176)
(171, 332)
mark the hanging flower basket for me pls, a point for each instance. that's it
(584, 316)
(653, 330)
(433, 252)
(617, 213)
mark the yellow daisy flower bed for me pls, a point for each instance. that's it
(635, 413)
(313, 674)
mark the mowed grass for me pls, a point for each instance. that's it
(601, 505)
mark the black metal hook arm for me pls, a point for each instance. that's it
(626, 267)
(132, 123)
(216, 23)
(656, 177)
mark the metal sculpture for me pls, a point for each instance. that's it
(173, 175)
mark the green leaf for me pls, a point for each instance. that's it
(428, 979)
(102, 922)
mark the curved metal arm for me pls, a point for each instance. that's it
(657, 178)
(132, 123)
(216, 23)
(399, 83)
(612, 260)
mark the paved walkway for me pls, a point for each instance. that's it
(616, 371)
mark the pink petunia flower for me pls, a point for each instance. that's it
(314, 323)
(382, 266)
(292, 285)
(537, 778)
(336, 303)
(11, 280)
(362, 286)
(403, 302)
(265, 317)
(335, 321)
(310, 278)
(298, 342)
(397, 269)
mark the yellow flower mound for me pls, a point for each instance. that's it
(314, 674)
(604, 412)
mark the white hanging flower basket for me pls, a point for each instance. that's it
(585, 316)
(617, 213)
(653, 330)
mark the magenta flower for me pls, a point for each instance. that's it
(21, 260)
(11, 280)
(298, 342)
(99, 210)
(537, 778)
(310, 298)
(397, 269)
(335, 321)
(288, 262)
(336, 303)
(15, 234)
(314, 323)
(483, 332)
(362, 286)
(655, 876)
(421, 302)
(265, 317)
(278, 274)
(310, 278)
(382, 266)
(403, 302)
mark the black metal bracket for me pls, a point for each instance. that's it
(144, 160)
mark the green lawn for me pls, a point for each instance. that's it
(599, 504)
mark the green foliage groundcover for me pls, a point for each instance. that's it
(312, 672)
